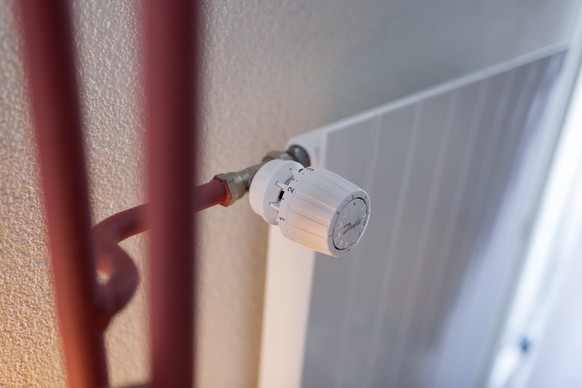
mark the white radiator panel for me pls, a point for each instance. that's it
(419, 302)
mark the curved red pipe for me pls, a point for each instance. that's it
(115, 263)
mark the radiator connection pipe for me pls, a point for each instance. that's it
(50, 64)
(115, 264)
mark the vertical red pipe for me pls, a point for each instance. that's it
(172, 65)
(48, 44)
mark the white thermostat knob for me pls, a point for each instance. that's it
(312, 206)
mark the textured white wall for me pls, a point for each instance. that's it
(273, 69)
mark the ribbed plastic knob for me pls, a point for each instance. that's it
(312, 206)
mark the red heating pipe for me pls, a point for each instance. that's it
(47, 35)
(172, 30)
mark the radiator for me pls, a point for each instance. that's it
(421, 301)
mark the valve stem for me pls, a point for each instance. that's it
(238, 182)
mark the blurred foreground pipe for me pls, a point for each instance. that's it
(172, 65)
(47, 34)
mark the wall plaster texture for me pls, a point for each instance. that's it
(272, 69)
